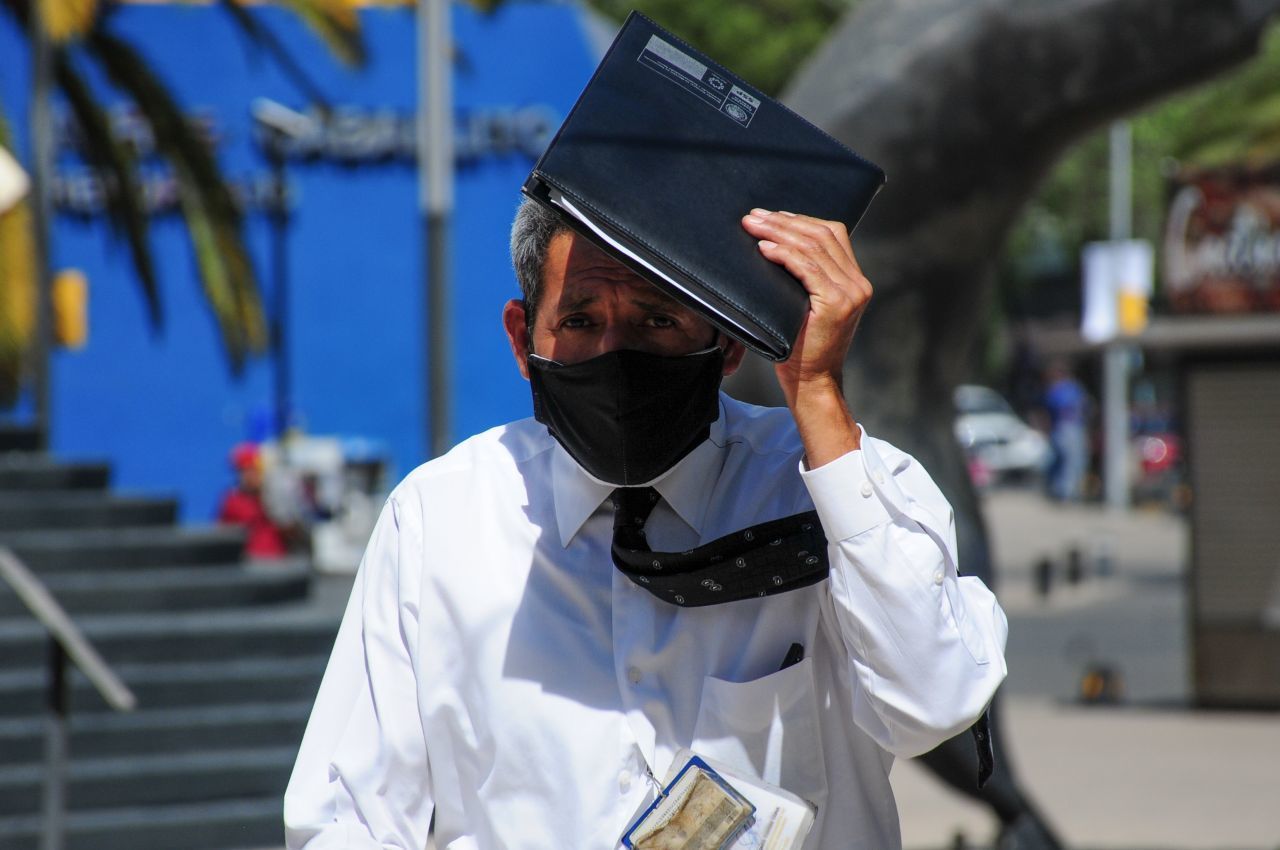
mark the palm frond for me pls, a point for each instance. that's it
(67, 20)
(265, 40)
(207, 205)
(337, 23)
(118, 171)
(17, 290)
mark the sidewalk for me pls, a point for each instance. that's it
(1148, 773)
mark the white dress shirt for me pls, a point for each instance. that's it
(495, 669)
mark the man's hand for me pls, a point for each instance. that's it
(818, 254)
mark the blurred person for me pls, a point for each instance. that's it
(1067, 406)
(243, 505)
(548, 613)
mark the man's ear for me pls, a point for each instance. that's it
(514, 320)
(733, 354)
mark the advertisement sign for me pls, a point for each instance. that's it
(1222, 244)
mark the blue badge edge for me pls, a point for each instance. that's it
(694, 761)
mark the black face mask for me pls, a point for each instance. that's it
(627, 417)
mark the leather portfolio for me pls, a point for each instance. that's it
(663, 154)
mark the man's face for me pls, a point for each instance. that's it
(592, 305)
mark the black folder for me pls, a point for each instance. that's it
(663, 154)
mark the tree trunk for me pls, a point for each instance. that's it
(966, 104)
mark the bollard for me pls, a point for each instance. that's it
(1075, 566)
(1043, 577)
(1103, 560)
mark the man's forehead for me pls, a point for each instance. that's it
(588, 268)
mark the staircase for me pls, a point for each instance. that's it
(224, 657)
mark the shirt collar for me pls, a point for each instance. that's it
(686, 487)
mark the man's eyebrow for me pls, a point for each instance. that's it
(579, 303)
(661, 302)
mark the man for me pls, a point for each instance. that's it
(495, 668)
(243, 505)
(1067, 404)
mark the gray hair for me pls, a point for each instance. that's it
(534, 227)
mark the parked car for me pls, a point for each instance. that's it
(999, 444)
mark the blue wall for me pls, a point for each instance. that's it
(165, 408)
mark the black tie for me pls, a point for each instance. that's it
(773, 557)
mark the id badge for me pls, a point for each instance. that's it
(697, 810)
(774, 819)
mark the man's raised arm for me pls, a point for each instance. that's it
(925, 645)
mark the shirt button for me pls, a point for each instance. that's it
(866, 489)
(624, 781)
(634, 675)
(878, 476)
(938, 577)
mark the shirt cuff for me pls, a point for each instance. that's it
(853, 493)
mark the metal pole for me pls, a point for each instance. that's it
(41, 176)
(1121, 195)
(278, 125)
(56, 749)
(435, 197)
(1115, 373)
(280, 273)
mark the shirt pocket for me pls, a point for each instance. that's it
(767, 728)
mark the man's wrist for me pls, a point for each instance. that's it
(827, 428)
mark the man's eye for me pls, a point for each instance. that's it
(575, 322)
(658, 321)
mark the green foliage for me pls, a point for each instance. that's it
(212, 217)
(1235, 120)
(113, 160)
(763, 41)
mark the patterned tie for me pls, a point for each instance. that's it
(773, 557)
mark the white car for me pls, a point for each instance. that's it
(993, 435)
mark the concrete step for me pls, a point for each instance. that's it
(21, 438)
(21, 471)
(33, 510)
(161, 730)
(171, 589)
(237, 824)
(189, 684)
(125, 548)
(152, 780)
(284, 631)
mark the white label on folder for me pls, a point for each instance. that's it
(695, 77)
(673, 55)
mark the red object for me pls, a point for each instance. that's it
(1159, 452)
(264, 539)
(244, 456)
